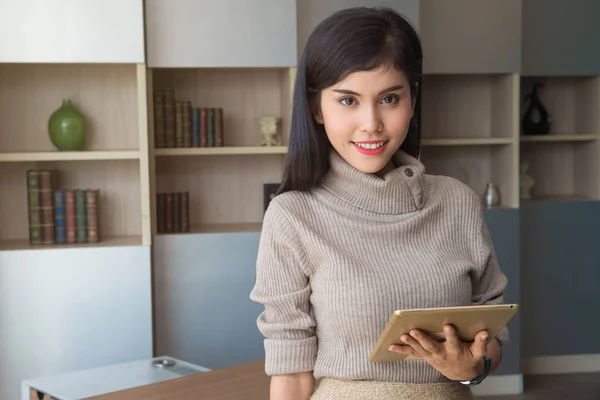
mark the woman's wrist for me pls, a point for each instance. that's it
(478, 370)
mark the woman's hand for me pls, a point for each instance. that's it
(455, 359)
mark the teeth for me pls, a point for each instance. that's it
(370, 146)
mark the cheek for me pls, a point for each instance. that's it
(338, 124)
(397, 121)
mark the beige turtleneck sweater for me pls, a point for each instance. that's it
(335, 262)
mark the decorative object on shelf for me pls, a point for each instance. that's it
(178, 124)
(60, 216)
(526, 182)
(530, 124)
(173, 212)
(269, 191)
(67, 127)
(268, 127)
(491, 195)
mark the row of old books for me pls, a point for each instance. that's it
(179, 124)
(173, 212)
(60, 216)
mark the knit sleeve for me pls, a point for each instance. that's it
(489, 282)
(282, 286)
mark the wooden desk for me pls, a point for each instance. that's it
(243, 382)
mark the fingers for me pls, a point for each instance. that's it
(479, 346)
(403, 349)
(451, 336)
(421, 342)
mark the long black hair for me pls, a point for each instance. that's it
(350, 40)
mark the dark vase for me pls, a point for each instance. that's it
(530, 124)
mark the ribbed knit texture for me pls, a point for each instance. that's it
(335, 262)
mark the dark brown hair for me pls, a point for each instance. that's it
(350, 40)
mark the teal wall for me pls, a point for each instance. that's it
(560, 272)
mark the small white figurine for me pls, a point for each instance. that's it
(268, 131)
(526, 181)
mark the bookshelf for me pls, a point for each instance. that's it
(470, 130)
(224, 183)
(112, 98)
(565, 162)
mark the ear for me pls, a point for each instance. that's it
(414, 99)
(316, 111)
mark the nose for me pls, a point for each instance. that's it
(371, 120)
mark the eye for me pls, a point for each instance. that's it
(391, 99)
(347, 101)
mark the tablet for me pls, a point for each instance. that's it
(467, 320)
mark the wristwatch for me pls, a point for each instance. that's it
(487, 363)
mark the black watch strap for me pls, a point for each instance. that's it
(487, 362)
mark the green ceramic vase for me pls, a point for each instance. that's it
(67, 127)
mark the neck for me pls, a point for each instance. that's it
(388, 167)
(396, 189)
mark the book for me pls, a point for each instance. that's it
(195, 127)
(169, 213)
(218, 126)
(92, 215)
(176, 212)
(70, 216)
(33, 206)
(161, 222)
(184, 212)
(60, 231)
(170, 120)
(210, 126)
(173, 212)
(203, 127)
(187, 124)
(160, 122)
(81, 216)
(178, 124)
(46, 178)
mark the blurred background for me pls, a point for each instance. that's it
(182, 108)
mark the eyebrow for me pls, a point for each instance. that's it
(390, 89)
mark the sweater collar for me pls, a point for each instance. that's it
(401, 190)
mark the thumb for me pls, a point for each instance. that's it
(480, 345)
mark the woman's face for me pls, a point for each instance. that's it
(367, 116)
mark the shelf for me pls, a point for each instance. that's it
(120, 202)
(115, 241)
(563, 168)
(220, 228)
(465, 141)
(470, 106)
(559, 138)
(571, 102)
(222, 190)
(475, 166)
(560, 198)
(243, 94)
(70, 156)
(218, 151)
(106, 95)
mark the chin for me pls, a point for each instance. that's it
(372, 166)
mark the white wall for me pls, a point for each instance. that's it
(65, 310)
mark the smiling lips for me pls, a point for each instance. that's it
(370, 147)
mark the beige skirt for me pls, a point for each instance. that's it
(335, 389)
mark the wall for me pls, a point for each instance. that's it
(201, 288)
(560, 258)
(69, 309)
(503, 224)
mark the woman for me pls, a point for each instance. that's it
(358, 230)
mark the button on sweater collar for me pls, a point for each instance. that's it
(401, 190)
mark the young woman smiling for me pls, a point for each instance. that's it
(359, 230)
